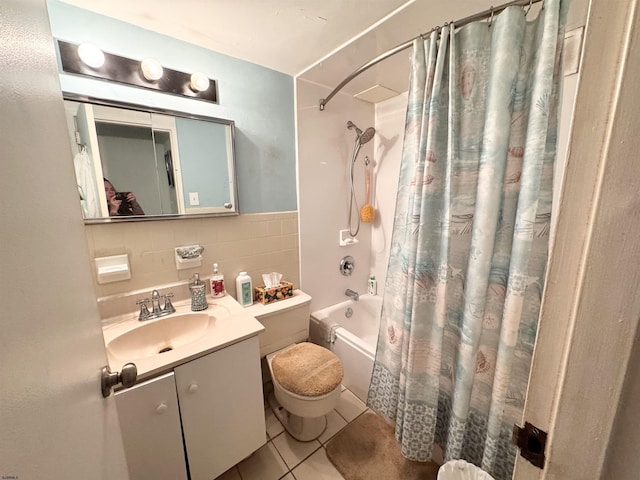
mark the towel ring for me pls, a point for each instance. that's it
(491, 17)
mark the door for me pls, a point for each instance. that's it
(55, 423)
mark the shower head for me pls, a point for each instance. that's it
(367, 135)
(363, 137)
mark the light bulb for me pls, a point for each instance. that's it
(151, 69)
(199, 82)
(91, 55)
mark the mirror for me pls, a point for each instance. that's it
(134, 163)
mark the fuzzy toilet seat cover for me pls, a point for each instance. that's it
(307, 369)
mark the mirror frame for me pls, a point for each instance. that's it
(74, 97)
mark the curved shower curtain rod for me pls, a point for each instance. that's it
(459, 23)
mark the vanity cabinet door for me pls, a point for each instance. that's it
(222, 408)
(150, 424)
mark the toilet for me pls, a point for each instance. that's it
(307, 378)
(307, 383)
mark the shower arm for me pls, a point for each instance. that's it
(403, 46)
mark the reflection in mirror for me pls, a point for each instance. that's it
(145, 165)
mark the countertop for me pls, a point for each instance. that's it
(229, 323)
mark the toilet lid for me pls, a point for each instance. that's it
(307, 369)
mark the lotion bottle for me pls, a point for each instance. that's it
(244, 289)
(217, 283)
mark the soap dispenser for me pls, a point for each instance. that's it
(198, 291)
(217, 283)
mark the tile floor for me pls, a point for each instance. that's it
(283, 457)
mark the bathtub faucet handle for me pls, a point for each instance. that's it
(352, 294)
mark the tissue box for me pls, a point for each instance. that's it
(266, 295)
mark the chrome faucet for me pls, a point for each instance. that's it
(155, 302)
(156, 310)
(351, 294)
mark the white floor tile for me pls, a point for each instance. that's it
(350, 406)
(317, 467)
(264, 464)
(292, 450)
(335, 423)
(231, 474)
(274, 427)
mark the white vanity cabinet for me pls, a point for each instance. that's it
(150, 424)
(210, 407)
(222, 408)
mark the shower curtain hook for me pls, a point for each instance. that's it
(528, 8)
(491, 18)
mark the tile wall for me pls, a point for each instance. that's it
(255, 243)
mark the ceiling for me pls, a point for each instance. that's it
(285, 35)
(320, 41)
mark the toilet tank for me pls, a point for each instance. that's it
(285, 321)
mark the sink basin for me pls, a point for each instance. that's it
(160, 336)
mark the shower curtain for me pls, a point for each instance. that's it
(470, 237)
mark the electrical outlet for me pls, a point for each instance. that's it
(193, 198)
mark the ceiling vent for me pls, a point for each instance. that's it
(376, 94)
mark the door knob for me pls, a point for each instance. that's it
(193, 388)
(110, 379)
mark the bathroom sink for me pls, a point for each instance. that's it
(161, 335)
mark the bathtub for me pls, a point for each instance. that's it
(353, 338)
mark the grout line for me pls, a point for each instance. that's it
(280, 455)
(321, 445)
(342, 417)
(305, 458)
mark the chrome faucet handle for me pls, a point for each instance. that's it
(168, 306)
(144, 311)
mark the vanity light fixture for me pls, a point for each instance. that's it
(86, 59)
(151, 69)
(199, 82)
(91, 55)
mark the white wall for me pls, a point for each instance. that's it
(325, 149)
(390, 116)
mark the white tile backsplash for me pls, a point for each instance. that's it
(256, 243)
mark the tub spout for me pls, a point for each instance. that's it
(351, 294)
